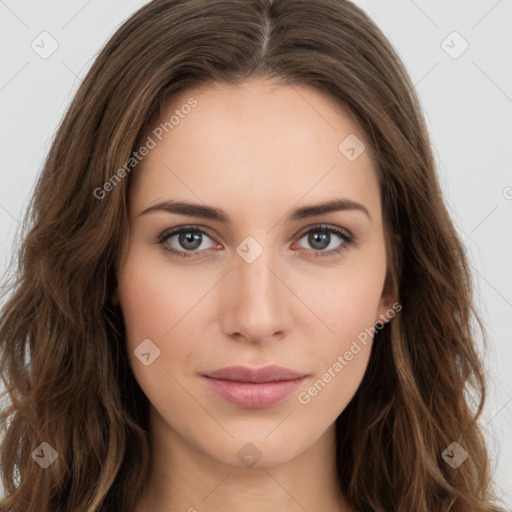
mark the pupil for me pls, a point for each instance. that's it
(317, 237)
(190, 238)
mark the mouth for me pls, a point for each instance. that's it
(253, 388)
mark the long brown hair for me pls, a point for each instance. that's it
(63, 358)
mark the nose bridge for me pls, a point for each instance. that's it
(252, 269)
(257, 308)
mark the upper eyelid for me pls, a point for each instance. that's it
(167, 233)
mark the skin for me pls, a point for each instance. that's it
(256, 151)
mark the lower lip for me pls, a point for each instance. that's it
(251, 395)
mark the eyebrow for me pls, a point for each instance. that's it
(216, 214)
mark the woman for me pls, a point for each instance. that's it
(190, 347)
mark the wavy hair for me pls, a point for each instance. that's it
(63, 358)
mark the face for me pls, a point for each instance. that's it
(251, 275)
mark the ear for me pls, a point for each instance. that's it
(388, 303)
(114, 299)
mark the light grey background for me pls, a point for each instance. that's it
(467, 101)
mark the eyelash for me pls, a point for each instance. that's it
(166, 235)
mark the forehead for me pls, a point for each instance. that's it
(255, 144)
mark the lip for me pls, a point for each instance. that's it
(253, 388)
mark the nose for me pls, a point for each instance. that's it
(255, 299)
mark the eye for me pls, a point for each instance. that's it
(189, 238)
(320, 237)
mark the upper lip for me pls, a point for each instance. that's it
(271, 373)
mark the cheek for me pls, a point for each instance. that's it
(341, 355)
(163, 305)
(153, 297)
(346, 308)
(143, 297)
(346, 303)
